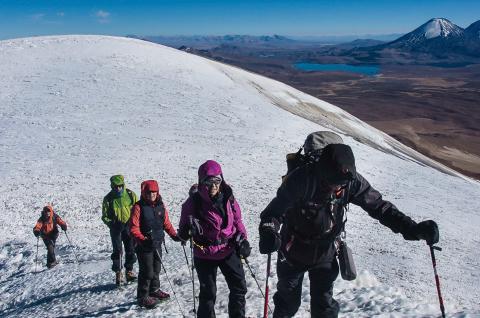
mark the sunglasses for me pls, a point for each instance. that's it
(212, 181)
(119, 186)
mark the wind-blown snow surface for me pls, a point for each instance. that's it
(75, 110)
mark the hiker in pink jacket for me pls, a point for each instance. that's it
(212, 218)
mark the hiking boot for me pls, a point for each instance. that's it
(118, 278)
(53, 264)
(160, 295)
(130, 276)
(148, 302)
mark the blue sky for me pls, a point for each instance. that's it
(19, 18)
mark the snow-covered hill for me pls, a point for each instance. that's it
(75, 110)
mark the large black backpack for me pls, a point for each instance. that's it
(314, 223)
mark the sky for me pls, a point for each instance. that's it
(21, 18)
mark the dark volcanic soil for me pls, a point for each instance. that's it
(431, 109)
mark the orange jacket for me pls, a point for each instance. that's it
(48, 227)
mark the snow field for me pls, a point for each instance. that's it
(75, 110)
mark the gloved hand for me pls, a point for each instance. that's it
(244, 249)
(36, 233)
(183, 234)
(147, 242)
(64, 227)
(269, 237)
(428, 231)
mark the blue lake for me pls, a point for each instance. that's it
(365, 70)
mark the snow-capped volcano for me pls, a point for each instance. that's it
(435, 35)
(75, 110)
(438, 27)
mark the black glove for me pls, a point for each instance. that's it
(148, 242)
(428, 231)
(243, 248)
(36, 233)
(269, 237)
(64, 227)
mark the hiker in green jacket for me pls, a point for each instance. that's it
(116, 214)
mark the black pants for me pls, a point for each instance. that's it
(50, 244)
(232, 269)
(119, 234)
(149, 271)
(287, 299)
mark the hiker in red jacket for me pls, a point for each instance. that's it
(47, 229)
(148, 221)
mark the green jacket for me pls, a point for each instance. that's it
(117, 209)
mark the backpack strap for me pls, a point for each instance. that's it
(197, 204)
(311, 187)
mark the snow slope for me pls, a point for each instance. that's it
(75, 110)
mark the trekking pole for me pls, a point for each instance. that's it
(193, 264)
(71, 246)
(36, 257)
(168, 279)
(265, 306)
(437, 280)
(256, 281)
(193, 277)
(186, 258)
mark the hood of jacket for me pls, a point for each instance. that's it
(337, 164)
(209, 168)
(47, 213)
(147, 187)
(117, 180)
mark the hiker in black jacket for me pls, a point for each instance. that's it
(311, 205)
